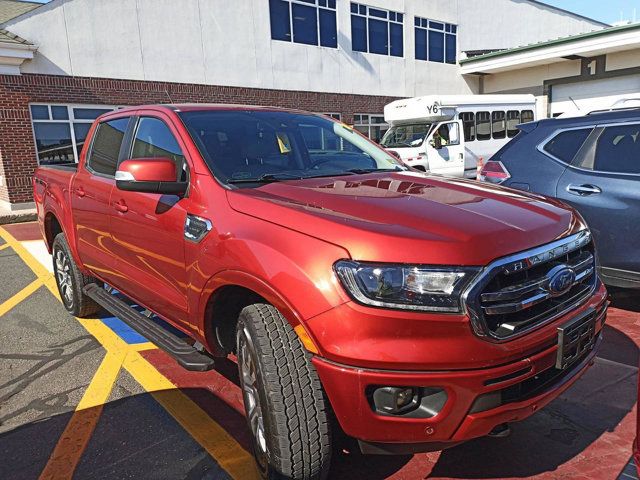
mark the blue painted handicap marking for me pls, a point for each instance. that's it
(124, 331)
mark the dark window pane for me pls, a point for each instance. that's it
(392, 16)
(89, 113)
(358, 33)
(483, 125)
(40, 112)
(305, 24)
(498, 126)
(81, 130)
(363, 10)
(468, 126)
(526, 116)
(436, 25)
(618, 150)
(106, 146)
(332, 4)
(378, 37)
(425, 22)
(354, 8)
(416, 21)
(328, 29)
(374, 12)
(59, 113)
(279, 17)
(154, 139)
(397, 47)
(513, 119)
(451, 49)
(454, 28)
(565, 145)
(421, 43)
(436, 46)
(399, 17)
(53, 143)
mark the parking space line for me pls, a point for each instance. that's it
(20, 296)
(2, 247)
(222, 447)
(75, 438)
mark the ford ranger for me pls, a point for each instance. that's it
(409, 311)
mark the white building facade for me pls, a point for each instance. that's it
(339, 57)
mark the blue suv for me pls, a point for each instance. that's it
(593, 164)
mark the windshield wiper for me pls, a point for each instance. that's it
(267, 178)
(374, 170)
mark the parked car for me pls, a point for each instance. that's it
(593, 164)
(420, 311)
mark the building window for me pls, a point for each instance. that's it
(335, 116)
(435, 41)
(60, 130)
(311, 22)
(375, 30)
(373, 126)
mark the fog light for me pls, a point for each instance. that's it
(394, 400)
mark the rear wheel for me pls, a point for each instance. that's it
(71, 280)
(284, 402)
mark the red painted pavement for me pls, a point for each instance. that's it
(24, 231)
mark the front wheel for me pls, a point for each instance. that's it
(284, 402)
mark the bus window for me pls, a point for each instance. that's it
(526, 116)
(513, 119)
(498, 126)
(468, 126)
(483, 125)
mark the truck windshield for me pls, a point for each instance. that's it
(259, 146)
(411, 135)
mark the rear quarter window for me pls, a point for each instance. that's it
(564, 145)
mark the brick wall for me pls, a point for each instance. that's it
(17, 150)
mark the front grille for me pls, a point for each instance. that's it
(523, 291)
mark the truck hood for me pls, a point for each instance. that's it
(409, 217)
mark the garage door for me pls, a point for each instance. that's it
(593, 94)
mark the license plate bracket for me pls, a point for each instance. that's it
(576, 338)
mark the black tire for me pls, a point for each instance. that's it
(71, 280)
(296, 440)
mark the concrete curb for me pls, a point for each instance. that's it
(17, 217)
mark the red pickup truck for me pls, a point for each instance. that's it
(412, 311)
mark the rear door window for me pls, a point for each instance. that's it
(564, 145)
(618, 150)
(105, 150)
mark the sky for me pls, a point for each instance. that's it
(607, 12)
(614, 11)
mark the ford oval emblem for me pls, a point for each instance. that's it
(561, 278)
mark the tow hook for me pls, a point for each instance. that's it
(500, 431)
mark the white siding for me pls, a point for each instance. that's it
(223, 42)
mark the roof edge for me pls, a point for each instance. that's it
(549, 43)
(573, 14)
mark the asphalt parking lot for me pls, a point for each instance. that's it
(90, 398)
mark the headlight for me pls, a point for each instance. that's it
(406, 287)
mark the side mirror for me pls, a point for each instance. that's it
(149, 175)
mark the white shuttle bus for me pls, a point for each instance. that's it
(448, 134)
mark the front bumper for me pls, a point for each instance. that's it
(461, 418)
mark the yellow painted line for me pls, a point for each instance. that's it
(227, 452)
(6, 245)
(75, 438)
(20, 296)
